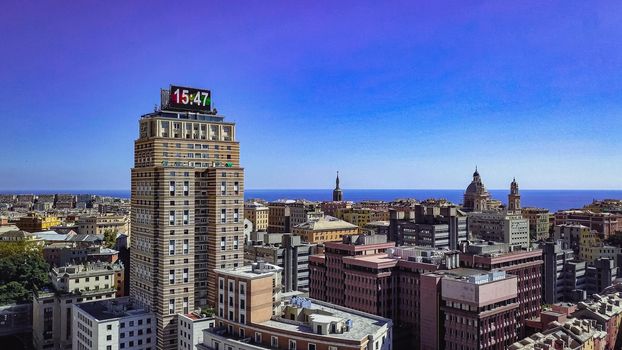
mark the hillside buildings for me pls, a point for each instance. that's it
(187, 210)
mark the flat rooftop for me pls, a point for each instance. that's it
(363, 324)
(105, 310)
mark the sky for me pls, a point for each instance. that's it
(393, 94)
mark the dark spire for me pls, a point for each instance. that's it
(476, 173)
(337, 181)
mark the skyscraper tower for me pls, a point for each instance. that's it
(187, 207)
(337, 193)
(514, 197)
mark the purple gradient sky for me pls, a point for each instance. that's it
(393, 94)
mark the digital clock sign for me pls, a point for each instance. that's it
(189, 99)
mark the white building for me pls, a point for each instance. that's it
(52, 309)
(190, 329)
(113, 324)
(500, 226)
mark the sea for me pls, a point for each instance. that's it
(553, 200)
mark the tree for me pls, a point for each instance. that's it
(22, 271)
(110, 238)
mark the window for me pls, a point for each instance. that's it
(185, 305)
(223, 243)
(236, 217)
(171, 188)
(171, 306)
(223, 216)
(171, 247)
(274, 342)
(109, 327)
(258, 338)
(292, 345)
(223, 187)
(312, 347)
(171, 217)
(109, 337)
(185, 275)
(186, 187)
(186, 215)
(235, 242)
(236, 187)
(185, 247)
(171, 277)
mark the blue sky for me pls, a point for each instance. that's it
(392, 94)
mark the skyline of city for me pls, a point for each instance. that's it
(423, 92)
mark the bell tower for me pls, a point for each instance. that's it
(514, 197)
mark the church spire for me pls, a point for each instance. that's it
(337, 194)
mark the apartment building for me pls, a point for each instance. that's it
(604, 223)
(113, 324)
(539, 228)
(73, 284)
(98, 224)
(284, 215)
(190, 329)
(433, 225)
(258, 214)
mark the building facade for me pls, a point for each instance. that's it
(113, 325)
(187, 212)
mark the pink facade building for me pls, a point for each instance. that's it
(526, 265)
(480, 309)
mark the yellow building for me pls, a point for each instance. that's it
(361, 216)
(34, 222)
(258, 214)
(325, 229)
(591, 247)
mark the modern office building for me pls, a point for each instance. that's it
(432, 225)
(525, 264)
(187, 208)
(500, 226)
(480, 309)
(600, 275)
(113, 324)
(538, 223)
(553, 280)
(52, 309)
(288, 252)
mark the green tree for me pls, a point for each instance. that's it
(110, 238)
(22, 271)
